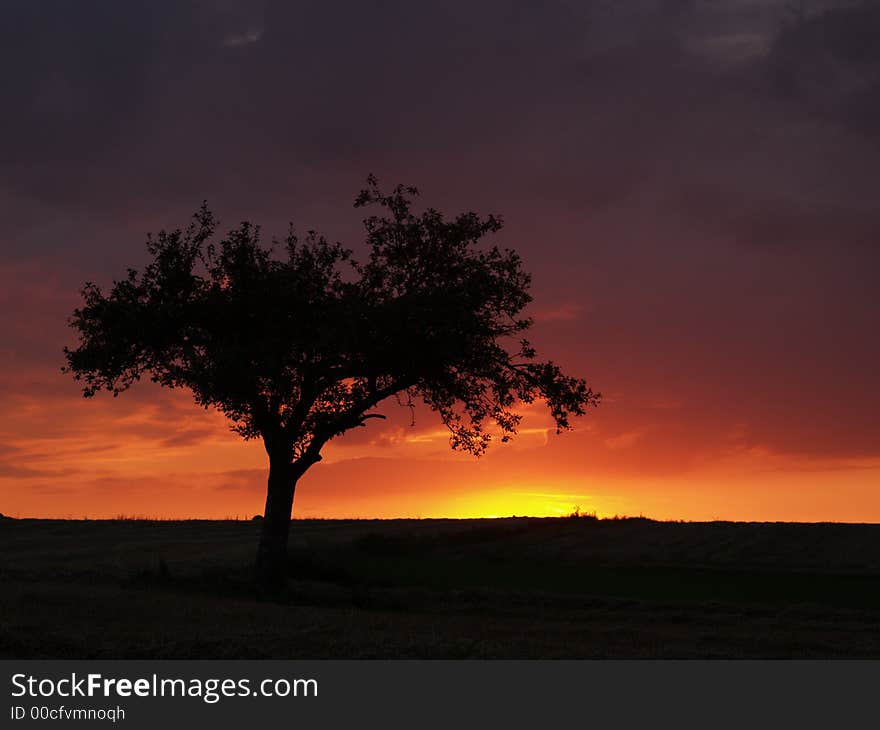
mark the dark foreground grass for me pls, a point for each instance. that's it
(442, 588)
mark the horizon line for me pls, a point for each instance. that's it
(570, 517)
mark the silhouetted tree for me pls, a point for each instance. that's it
(297, 347)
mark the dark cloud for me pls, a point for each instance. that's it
(829, 63)
(11, 471)
(188, 437)
(782, 222)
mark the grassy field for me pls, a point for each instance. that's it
(511, 588)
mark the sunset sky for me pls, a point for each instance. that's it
(694, 186)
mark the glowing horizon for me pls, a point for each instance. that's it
(161, 456)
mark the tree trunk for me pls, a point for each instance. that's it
(271, 566)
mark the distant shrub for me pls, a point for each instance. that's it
(576, 514)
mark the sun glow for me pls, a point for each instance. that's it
(526, 500)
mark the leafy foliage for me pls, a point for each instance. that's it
(298, 342)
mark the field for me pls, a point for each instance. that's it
(507, 588)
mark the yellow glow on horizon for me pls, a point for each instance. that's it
(525, 501)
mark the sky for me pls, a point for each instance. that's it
(693, 185)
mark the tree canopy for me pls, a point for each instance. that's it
(297, 341)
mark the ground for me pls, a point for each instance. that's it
(508, 588)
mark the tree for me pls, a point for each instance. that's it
(298, 343)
